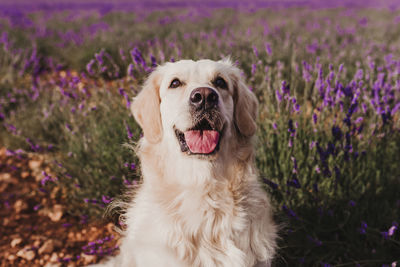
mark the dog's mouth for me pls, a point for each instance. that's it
(202, 139)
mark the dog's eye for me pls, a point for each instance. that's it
(175, 83)
(219, 82)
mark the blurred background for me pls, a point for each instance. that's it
(326, 74)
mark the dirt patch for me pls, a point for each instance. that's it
(35, 229)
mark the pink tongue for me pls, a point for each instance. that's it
(201, 141)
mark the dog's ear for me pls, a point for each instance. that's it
(246, 106)
(146, 108)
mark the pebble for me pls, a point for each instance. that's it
(26, 254)
(54, 257)
(11, 257)
(36, 243)
(56, 213)
(24, 175)
(4, 177)
(15, 242)
(34, 164)
(49, 246)
(20, 205)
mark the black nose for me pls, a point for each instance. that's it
(203, 98)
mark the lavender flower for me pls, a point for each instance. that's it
(268, 48)
(270, 183)
(106, 199)
(89, 67)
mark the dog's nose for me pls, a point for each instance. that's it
(203, 98)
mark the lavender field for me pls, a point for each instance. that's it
(327, 77)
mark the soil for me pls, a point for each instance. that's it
(35, 229)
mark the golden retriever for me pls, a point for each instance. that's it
(200, 202)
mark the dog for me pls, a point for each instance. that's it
(200, 202)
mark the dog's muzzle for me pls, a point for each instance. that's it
(204, 137)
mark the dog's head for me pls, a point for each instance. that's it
(201, 105)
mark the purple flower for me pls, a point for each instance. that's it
(392, 230)
(99, 57)
(128, 131)
(89, 67)
(278, 96)
(285, 89)
(289, 212)
(255, 51)
(253, 69)
(317, 169)
(291, 129)
(294, 182)
(395, 109)
(130, 70)
(68, 126)
(363, 228)
(153, 61)
(270, 183)
(290, 143)
(268, 48)
(106, 199)
(337, 133)
(314, 118)
(359, 120)
(352, 203)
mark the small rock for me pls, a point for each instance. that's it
(20, 205)
(56, 213)
(88, 258)
(79, 237)
(15, 242)
(49, 246)
(26, 254)
(34, 164)
(24, 175)
(4, 177)
(71, 235)
(11, 257)
(36, 244)
(54, 257)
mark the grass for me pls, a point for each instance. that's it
(330, 164)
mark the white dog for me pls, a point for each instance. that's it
(200, 203)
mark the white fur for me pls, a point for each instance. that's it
(197, 211)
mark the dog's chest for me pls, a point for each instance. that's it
(211, 222)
